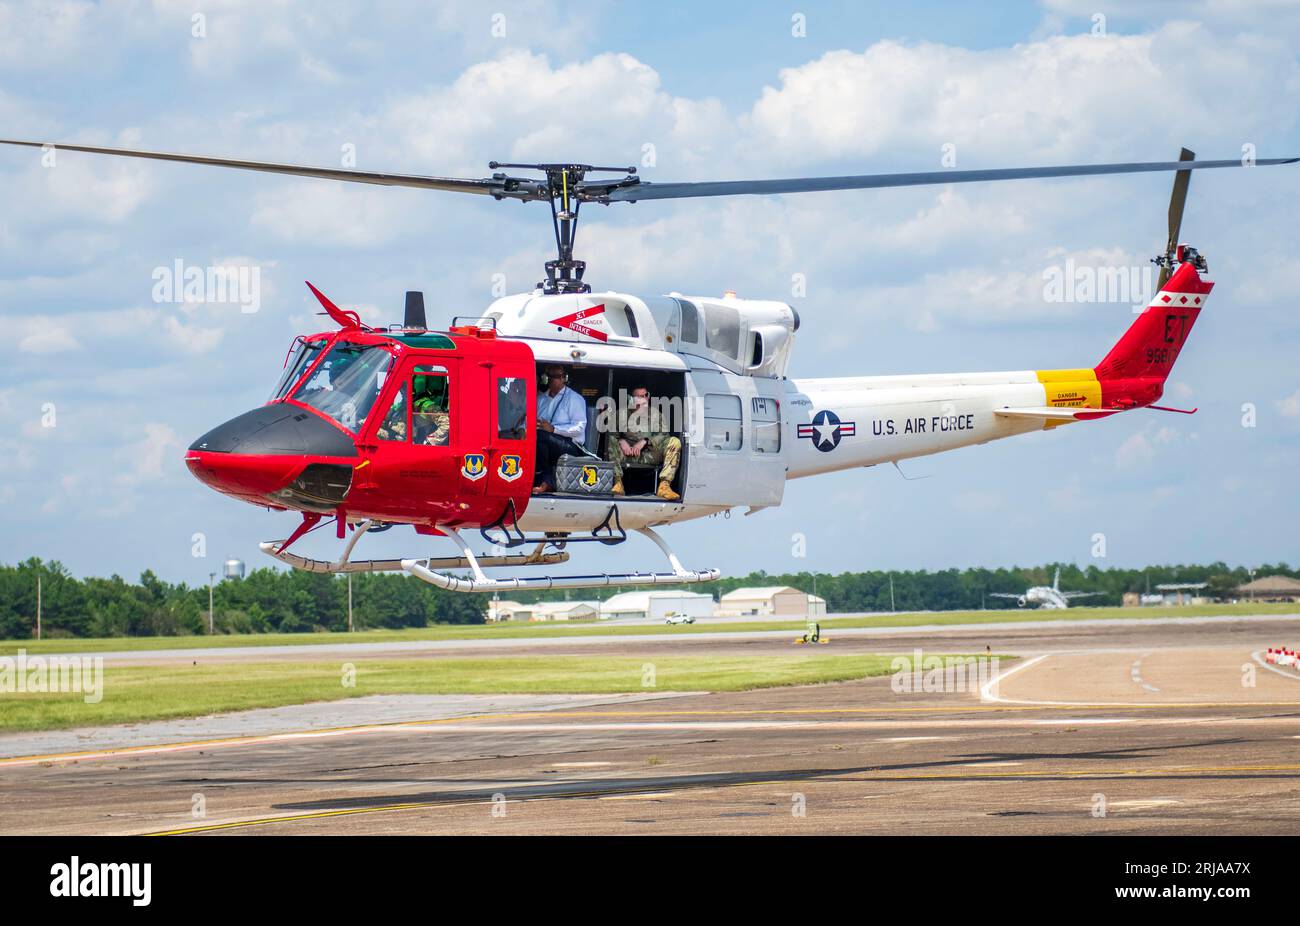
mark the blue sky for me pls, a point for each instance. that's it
(899, 281)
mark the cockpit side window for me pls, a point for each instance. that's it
(431, 406)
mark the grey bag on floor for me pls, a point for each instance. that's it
(584, 475)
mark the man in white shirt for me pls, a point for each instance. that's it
(561, 426)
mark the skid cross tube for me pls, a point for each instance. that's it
(345, 564)
(609, 531)
(426, 569)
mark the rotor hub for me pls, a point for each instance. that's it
(566, 190)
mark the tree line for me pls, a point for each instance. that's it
(266, 601)
(269, 600)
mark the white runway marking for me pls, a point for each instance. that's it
(1136, 674)
(989, 691)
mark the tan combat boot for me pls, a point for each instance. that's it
(666, 492)
(618, 488)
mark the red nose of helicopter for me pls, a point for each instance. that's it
(270, 456)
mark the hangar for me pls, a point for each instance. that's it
(774, 600)
(1271, 588)
(656, 605)
(566, 611)
(542, 611)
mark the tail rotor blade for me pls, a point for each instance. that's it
(1177, 200)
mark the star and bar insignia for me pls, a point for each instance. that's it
(826, 430)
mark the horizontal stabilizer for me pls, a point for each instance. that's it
(1049, 413)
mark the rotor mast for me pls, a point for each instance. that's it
(563, 189)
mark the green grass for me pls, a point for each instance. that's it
(518, 631)
(134, 694)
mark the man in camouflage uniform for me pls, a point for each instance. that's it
(645, 440)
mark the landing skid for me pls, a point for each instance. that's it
(424, 569)
(429, 569)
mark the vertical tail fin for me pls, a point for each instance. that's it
(1135, 370)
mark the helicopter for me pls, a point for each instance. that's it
(1046, 597)
(374, 427)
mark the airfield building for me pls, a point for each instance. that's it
(1271, 588)
(656, 606)
(771, 600)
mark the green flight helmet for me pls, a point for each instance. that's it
(429, 391)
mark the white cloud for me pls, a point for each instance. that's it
(1289, 407)
(1061, 96)
(319, 214)
(147, 459)
(55, 186)
(46, 336)
(40, 35)
(507, 106)
(1142, 447)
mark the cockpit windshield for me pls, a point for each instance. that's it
(346, 383)
(305, 352)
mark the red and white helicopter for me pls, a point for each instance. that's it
(343, 439)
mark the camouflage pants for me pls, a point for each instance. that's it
(662, 450)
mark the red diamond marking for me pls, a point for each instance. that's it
(1166, 298)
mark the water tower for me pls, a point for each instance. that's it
(232, 569)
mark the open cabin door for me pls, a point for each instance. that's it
(734, 441)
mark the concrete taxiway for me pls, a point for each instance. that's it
(1114, 728)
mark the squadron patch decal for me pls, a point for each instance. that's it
(474, 467)
(510, 468)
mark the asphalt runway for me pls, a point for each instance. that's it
(1116, 728)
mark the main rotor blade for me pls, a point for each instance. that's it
(1177, 200)
(509, 187)
(646, 190)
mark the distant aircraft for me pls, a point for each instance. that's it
(1044, 596)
